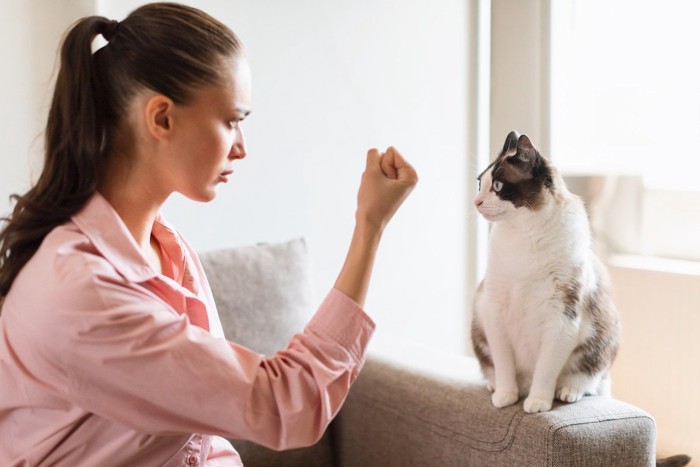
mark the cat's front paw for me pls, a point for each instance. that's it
(535, 404)
(502, 399)
(570, 394)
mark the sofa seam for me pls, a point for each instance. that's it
(555, 428)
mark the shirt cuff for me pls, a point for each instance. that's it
(340, 318)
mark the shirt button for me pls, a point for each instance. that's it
(192, 460)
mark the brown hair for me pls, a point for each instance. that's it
(169, 48)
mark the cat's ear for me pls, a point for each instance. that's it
(510, 146)
(526, 152)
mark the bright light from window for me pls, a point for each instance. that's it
(626, 89)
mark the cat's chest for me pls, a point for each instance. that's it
(521, 272)
(521, 253)
(515, 258)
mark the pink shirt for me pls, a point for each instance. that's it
(105, 362)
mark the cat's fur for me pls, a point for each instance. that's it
(544, 324)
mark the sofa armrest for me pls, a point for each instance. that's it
(413, 405)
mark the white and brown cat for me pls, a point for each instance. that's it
(544, 324)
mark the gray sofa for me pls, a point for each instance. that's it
(411, 405)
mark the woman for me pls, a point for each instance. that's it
(111, 350)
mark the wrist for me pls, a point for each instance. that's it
(354, 277)
(369, 229)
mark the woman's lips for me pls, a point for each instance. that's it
(223, 176)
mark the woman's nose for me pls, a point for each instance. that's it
(238, 149)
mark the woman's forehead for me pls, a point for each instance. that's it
(232, 94)
(237, 83)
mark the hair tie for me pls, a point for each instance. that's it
(110, 29)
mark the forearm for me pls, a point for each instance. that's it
(355, 275)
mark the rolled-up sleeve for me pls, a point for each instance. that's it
(301, 389)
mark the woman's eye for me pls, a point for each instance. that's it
(236, 121)
(497, 185)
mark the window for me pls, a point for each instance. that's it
(625, 104)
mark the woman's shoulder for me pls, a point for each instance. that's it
(65, 261)
(70, 276)
(67, 248)
(65, 273)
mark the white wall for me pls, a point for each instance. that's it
(330, 80)
(29, 36)
(16, 126)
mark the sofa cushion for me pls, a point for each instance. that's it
(263, 292)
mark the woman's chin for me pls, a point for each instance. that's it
(203, 196)
(209, 195)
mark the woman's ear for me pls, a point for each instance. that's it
(159, 114)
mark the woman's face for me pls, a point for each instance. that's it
(207, 136)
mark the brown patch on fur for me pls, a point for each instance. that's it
(481, 346)
(571, 295)
(598, 352)
(511, 173)
(479, 342)
(520, 187)
(533, 195)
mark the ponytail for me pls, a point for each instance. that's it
(168, 48)
(73, 157)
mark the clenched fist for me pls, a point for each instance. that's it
(386, 182)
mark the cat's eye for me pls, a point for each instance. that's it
(497, 185)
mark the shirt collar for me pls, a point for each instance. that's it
(106, 230)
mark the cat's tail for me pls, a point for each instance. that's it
(673, 461)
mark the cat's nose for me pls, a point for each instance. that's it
(478, 202)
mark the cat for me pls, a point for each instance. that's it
(544, 323)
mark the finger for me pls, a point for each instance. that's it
(373, 158)
(397, 159)
(388, 165)
(405, 170)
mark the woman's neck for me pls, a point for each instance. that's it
(136, 212)
(135, 197)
